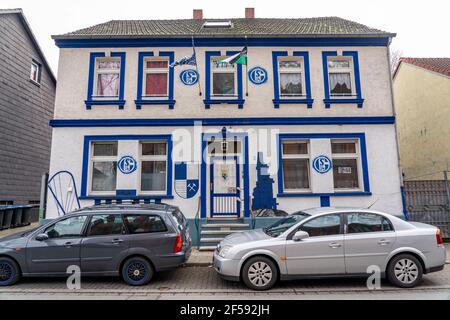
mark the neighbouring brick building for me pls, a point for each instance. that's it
(27, 94)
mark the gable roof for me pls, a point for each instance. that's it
(254, 27)
(439, 65)
(33, 39)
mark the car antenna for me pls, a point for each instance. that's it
(376, 200)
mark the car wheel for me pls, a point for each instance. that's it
(9, 272)
(259, 273)
(405, 271)
(137, 271)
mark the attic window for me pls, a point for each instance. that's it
(217, 24)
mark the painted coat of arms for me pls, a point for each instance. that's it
(186, 179)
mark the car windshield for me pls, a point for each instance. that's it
(284, 224)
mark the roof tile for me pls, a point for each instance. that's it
(439, 65)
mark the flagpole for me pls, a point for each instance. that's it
(246, 69)
(196, 68)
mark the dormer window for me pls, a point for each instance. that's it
(340, 76)
(218, 24)
(107, 75)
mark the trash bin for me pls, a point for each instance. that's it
(2, 213)
(7, 218)
(26, 215)
(17, 217)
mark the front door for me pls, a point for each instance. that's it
(225, 186)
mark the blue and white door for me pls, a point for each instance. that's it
(225, 186)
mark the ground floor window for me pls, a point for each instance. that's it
(103, 166)
(295, 162)
(153, 166)
(345, 164)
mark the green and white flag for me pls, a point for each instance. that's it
(238, 58)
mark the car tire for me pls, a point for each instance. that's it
(259, 273)
(9, 272)
(137, 271)
(405, 271)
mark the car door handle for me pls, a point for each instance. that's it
(383, 242)
(117, 241)
(334, 245)
(68, 244)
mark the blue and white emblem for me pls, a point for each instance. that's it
(127, 164)
(322, 164)
(189, 77)
(186, 179)
(258, 75)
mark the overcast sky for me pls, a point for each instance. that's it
(422, 27)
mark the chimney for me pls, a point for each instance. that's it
(249, 13)
(197, 14)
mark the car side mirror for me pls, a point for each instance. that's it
(300, 235)
(42, 237)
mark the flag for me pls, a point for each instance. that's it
(238, 58)
(190, 60)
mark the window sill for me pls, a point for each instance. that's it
(307, 101)
(37, 84)
(141, 102)
(330, 101)
(336, 194)
(90, 103)
(209, 102)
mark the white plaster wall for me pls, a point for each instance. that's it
(67, 146)
(73, 78)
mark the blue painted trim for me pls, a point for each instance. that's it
(364, 162)
(209, 100)
(381, 41)
(125, 197)
(246, 179)
(126, 193)
(324, 201)
(86, 154)
(405, 210)
(140, 101)
(90, 101)
(276, 82)
(171, 122)
(328, 100)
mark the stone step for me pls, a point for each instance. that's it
(214, 232)
(207, 248)
(225, 225)
(216, 240)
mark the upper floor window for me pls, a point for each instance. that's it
(345, 164)
(291, 77)
(295, 162)
(153, 166)
(35, 74)
(103, 166)
(223, 78)
(156, 78)
(340, 76)
(107, 75)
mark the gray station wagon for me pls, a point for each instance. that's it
(133, 241)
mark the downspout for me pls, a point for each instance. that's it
(402, 187)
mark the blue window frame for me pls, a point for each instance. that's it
(128, 194)
(169, 100)
(356, 97)
(304, 99)
(307, 136)
(91, 99)
(208, 101)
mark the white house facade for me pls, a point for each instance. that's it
(307, 122)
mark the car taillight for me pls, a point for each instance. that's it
(439, 237)
(178, 244)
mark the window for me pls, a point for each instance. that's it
(156, 78)
(323, 226)
(153, 166)
(104, 166)
(107, 77)
(144, 224)
(35, 74)
(340, 76)
(70, 227)
(345, 164)
(367, 222)
(223, 78)
(108, 224)
(291, 79)
(218, 24)
(295, 162)
(219, 147)
(284, 224)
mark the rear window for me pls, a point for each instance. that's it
(179, 218)
(144, 223)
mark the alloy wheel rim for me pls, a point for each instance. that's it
(136, 271)
(6, 271)
(260, 274)
(406, 271)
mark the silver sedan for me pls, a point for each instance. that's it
(332, 242)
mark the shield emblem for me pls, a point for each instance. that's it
(186, 179)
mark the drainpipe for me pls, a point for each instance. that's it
(391, 86)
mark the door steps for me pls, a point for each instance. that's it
(215, 230)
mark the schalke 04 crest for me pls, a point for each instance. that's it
(186, 179)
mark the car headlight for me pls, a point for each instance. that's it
(224, 250)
